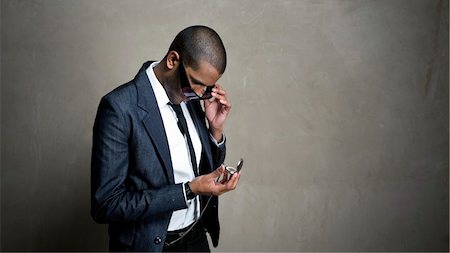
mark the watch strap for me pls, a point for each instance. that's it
(189, 194)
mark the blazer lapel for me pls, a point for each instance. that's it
(153, 121)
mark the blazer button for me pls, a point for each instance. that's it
(157, 240)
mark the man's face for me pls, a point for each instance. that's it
(198, 84)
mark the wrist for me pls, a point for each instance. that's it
(190, 194)
(216, 133)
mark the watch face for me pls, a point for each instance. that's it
(230, 170)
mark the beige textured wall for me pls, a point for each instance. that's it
(340, 109)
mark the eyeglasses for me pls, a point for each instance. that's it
(187, 88)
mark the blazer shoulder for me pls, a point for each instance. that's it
(125, 94)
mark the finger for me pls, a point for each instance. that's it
(219, 189)
(225, 103)
(232, 183)
(218, 96)
(222, 99)
(228, 186)
(224, 180)
(219, 91)
(207, 102)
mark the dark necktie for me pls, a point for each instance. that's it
(182, 125)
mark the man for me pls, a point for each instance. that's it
(155, 163)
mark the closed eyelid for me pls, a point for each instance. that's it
(197, 82)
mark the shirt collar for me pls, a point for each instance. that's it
(160, 93)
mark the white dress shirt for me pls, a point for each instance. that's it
(179, 151)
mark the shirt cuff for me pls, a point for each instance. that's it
(215, 141)
(184, 194)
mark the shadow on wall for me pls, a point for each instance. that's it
(72, 227)
(55, 214)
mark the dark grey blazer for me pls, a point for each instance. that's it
(132, 181)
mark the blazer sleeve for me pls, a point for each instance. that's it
(111, 201)
(218, 153)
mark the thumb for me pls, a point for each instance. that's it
(207, 102)
(218, 171)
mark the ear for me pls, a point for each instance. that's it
(172, 59)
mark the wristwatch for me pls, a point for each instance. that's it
(189, 194)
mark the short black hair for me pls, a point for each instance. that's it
(197, 43)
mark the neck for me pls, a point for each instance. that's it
(170, 83)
